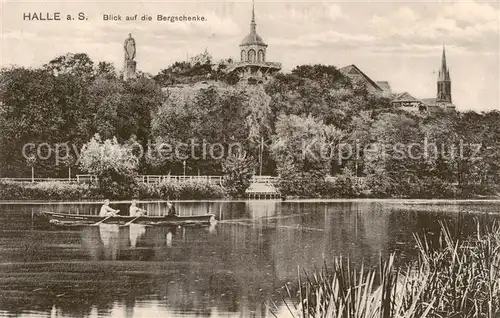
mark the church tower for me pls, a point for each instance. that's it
(444, 81)
(253, 48)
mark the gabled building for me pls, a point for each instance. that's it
(381, 88)
(409, 103)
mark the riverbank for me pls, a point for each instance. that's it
(346, 200)
(60, 191)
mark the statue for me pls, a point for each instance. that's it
(129, 47)
(129, 65)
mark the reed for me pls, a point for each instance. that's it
(452, 278)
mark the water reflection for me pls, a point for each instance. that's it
(235, 268)
(136, 241)
(135, 231)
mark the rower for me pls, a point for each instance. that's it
(171, 210)
(134, 210)
(106, 210)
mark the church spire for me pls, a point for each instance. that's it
(253, 25)
(444, 73)
(444, 81)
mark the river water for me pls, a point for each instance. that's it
(237, 268)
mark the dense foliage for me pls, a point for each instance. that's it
(190, 118)
(88, 191)
(63, 104)
(115, 165)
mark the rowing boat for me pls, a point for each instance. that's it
(75, 220)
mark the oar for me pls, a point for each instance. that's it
(129, 222)
(97, 223)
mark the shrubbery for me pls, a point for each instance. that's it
(379, 186)
(343, 186)
(48, 191)
(182, 191)
(82, 191)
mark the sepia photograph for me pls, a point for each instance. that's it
(250, 158)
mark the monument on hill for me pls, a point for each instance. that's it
(130, 64)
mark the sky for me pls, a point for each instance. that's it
(399, 41)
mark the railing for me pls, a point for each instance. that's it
(86, 178)
(152, 179)
(37, 180)
(265, 179)
(155, 179)
(356, 179)
(235, 65)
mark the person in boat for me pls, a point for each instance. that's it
(134, 210)
(171, 210)
(106, 210)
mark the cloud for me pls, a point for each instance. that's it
(401, 19)
(471, 12)
(468, 25)
(327, 38)
(309, 13)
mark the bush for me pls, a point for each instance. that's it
(471, 190)
(190, 190)
(303, 184)
(179, 191)
(48, 191)
(432, 188)
(345, 185)
(81, 191)
(238, 171)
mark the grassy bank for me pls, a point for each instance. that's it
(86, 191)
(345, 186)
(301, 189)
(452, 279)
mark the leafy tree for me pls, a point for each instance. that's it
(303, 148)
(106, 69)
(238, 169)
(397, 153)
(114, 164)
(211, 120)
(78, 64)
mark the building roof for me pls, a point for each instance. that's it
(436, 102)
(429, 101)
(405, 97)
(384, 85)
(253, 38)
(354, 70)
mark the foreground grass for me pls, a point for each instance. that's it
(451, 279)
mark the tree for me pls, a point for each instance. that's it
(303, 148)
(397, 153)
(106, 70)
(78, 64)
(208, 122)
(238, 170)
(114, 164)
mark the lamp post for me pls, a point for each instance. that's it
(31, 162)
(184, 166)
